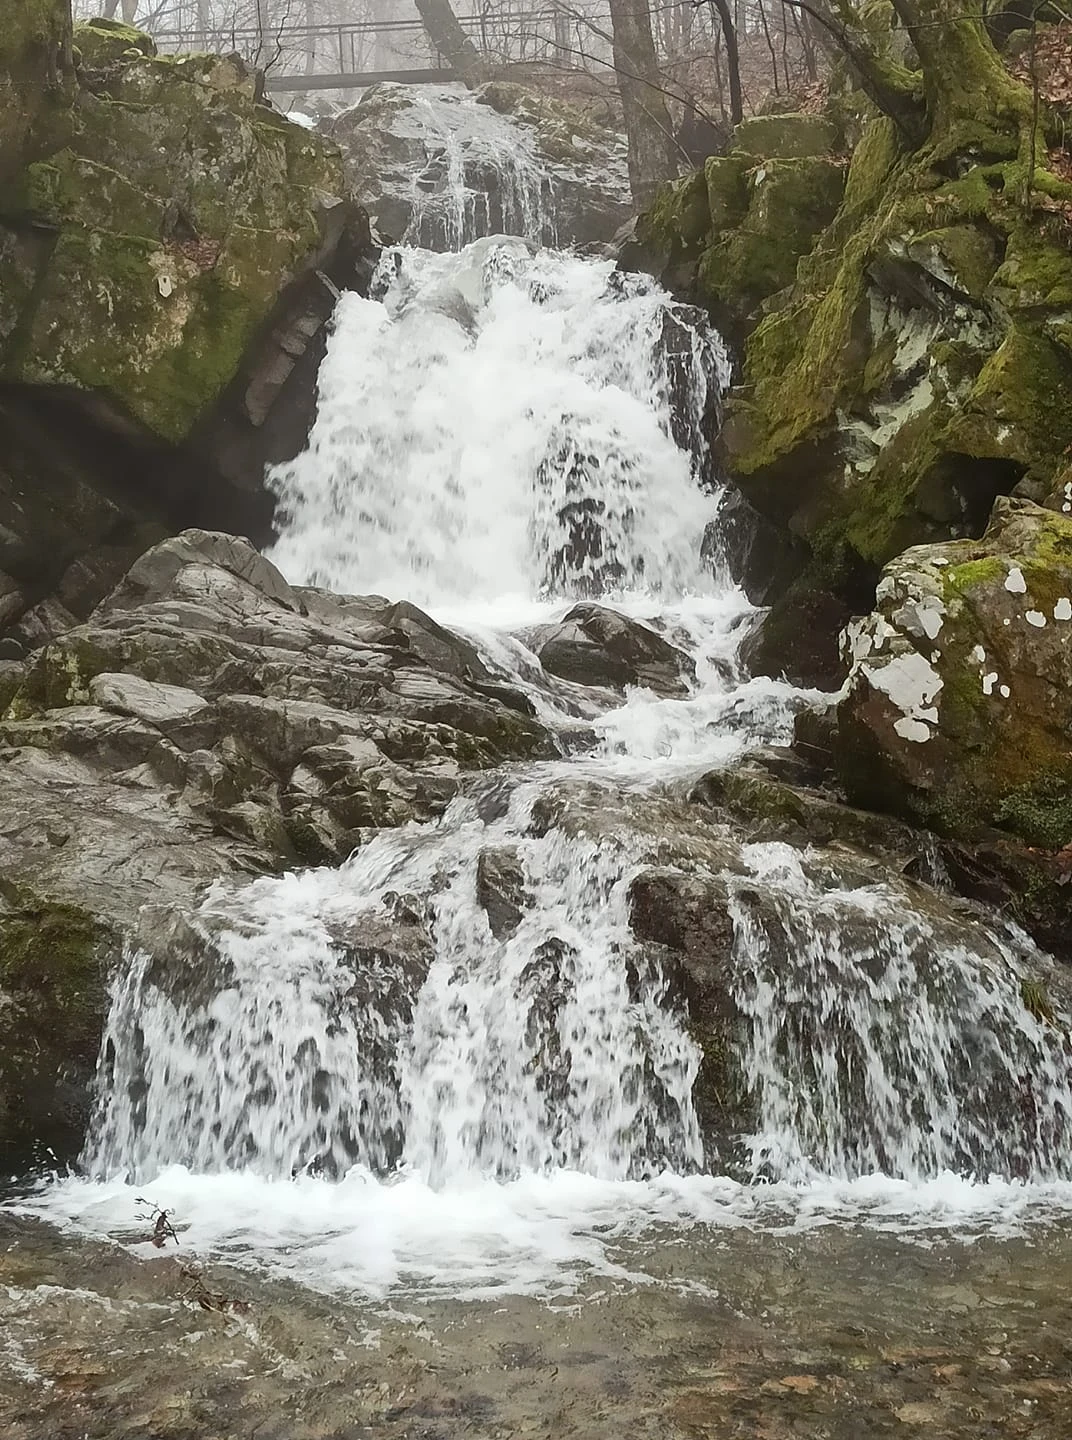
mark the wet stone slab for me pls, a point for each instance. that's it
(838, 1333)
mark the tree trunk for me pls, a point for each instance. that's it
(451, 41)
(969, 93)
(650, 139)
(733, 59)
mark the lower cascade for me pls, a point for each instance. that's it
(459, 1038)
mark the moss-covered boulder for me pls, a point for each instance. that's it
(958, 710)
(35, 65)
(732, 233)
(100, 42)
(177, 209)
(784, 137)
(163, 242)
(918, 367)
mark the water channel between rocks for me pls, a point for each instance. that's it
(428, 1126)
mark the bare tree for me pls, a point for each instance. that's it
(649, 136)
(733, 58)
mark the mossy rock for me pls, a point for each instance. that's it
(102, 42)
(180, 209)
(727, 190)
(53, 985)
(959, 703)
(789, 203)
(784, 137)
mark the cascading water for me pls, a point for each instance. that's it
(367, 1070)
(505, 422)
(482, 177)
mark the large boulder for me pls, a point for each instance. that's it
(594, 645)
(441, 167)
(731, 234)
(958, 710)
(163, 245)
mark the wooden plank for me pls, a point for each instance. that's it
(277, 83)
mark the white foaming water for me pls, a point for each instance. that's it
(500, 428)
(881, 1039)
(378, 1076)
(288, 1041)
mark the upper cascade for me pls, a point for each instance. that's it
(439, 167)
(506, 421)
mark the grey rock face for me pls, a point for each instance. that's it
(597, 646)
(209, 719)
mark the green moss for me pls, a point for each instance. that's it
(1037, 1000)
(969, 251)
(1040, 811)
(727, 190)
(790, 202)
(174, 147)
(51, 949)
(784, 137)
(103, 42)
(1036, 271)
(678, 218)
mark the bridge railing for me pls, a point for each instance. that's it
(359, 49)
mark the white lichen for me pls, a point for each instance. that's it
(1063, 609)
(1036, 618)
(1015, 582)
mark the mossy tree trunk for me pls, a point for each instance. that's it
(970, 97)
(960, 99)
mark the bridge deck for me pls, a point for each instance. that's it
(349, 81)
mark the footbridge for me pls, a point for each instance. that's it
(358, 54)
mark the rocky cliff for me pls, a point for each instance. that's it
(898, 286)
(163, 234)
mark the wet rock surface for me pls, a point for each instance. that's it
(439, 166)
(833, 1334)
(593, 645)
(212, 721)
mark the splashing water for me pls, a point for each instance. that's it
(881, 1039)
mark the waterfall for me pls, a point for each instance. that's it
(505, 421)
(450, 1058)
(482, 176)
(883, 1039)
(544, 1047)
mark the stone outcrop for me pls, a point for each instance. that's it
(596, 646)
(959, 703)
(169, 251)
(209, 720)
(439, 167)
(730, 235)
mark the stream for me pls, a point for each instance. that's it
(465, 1187)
